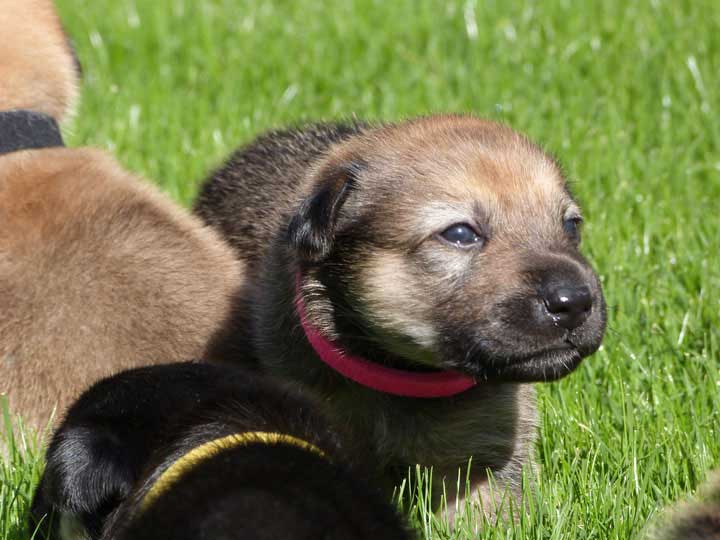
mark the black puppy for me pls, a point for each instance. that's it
(200, 451)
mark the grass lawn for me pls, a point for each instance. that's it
(626, 94)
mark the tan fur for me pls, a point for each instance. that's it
(99, 272)
(512, 179)
(37, 71)
(463, 160)
(457, 163)
(480, 161)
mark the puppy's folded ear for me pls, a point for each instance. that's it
(88, 470)
(312, 229)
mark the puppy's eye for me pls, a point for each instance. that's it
(572, 228)
(461, 235)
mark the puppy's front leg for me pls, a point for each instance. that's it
(478, 498)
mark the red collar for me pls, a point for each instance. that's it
(375, 376)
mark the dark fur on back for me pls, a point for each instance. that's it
(122, 433)
(240, 187)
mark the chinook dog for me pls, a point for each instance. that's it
(416, 277)
(192, 451)
(98, 270)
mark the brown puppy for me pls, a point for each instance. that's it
(99, 272)
(413, 276)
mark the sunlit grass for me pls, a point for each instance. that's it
(20, 469)
(626, 94)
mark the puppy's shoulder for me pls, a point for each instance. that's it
(138, 277)
(85, 195)
(276, 158)
(294, 146)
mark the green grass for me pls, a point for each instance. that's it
(21, 465)
(627, 95)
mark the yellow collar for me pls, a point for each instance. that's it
(212, 448)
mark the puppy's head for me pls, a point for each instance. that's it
(450, 242)
(38, 68)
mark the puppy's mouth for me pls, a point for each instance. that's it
(492, 363)
(484, 359)
(547, 365)
(496, 361)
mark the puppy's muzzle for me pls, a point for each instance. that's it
(549, 330)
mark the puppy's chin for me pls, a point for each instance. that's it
(546, 366)
(490, 360)
(543, 366)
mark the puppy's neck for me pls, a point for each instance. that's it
(372, 375)
(27, 130)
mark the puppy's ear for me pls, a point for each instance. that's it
(312, 229)
(88, 471)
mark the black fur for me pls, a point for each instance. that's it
(698, 519)
(264, 203)
(312, 229)
(283, 156)
(120, 435)
(702, 526)
(27, 130)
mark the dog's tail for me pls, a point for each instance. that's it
(39, 70)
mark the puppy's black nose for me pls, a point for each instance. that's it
(568, 306)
